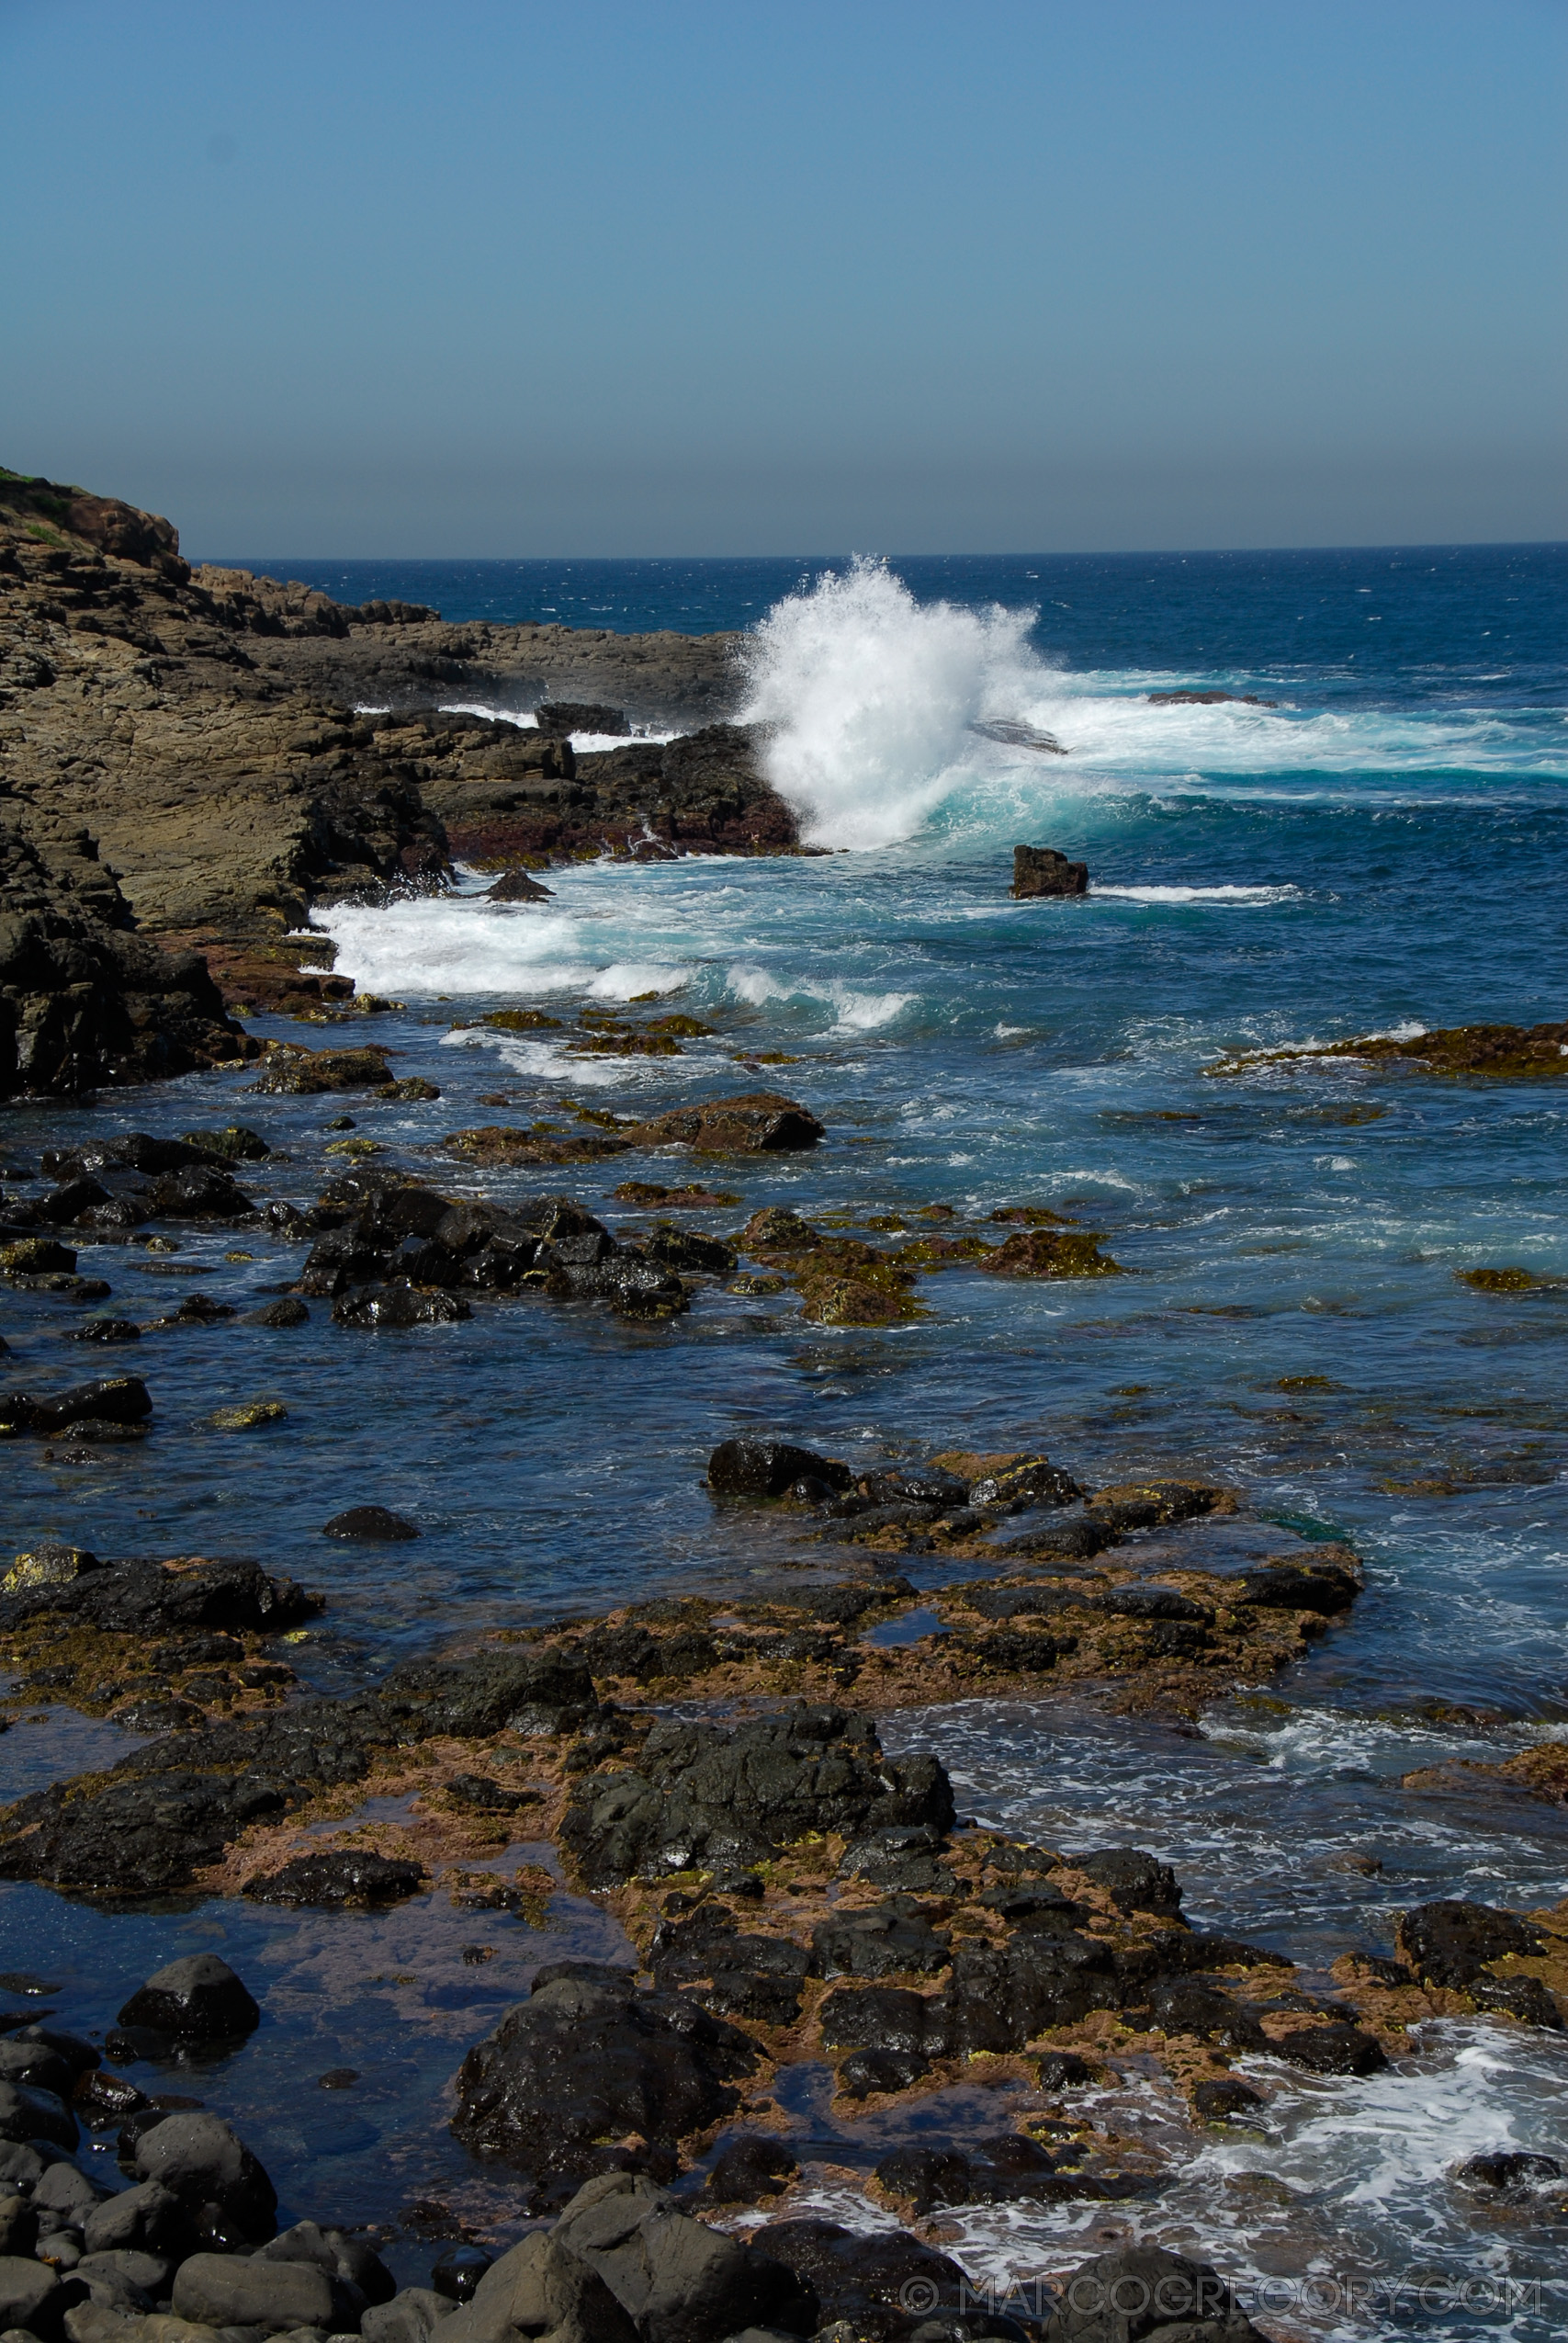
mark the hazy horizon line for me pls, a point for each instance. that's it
(254, 561)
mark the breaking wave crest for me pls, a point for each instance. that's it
(887, 717)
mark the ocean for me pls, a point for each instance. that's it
(1373, 840)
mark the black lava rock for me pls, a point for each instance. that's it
(286, 1310)
(1134, 1881)
(339, 1878)
(1341, 2049)
(370, 1525)
(167, 1810)
(199, 1999)
(1449, 1943)
(767, 1468)
(701, 1794)
(587, 2057)
(869, 2281)
(1507, 2168)
(1140, 2291)
(751, 2167)
(198, 1193)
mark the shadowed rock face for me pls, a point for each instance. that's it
(84, 1002)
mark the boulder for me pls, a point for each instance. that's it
(199, 1192)
(196, 1998)
(678, 2281)
(18, 2222)
(411, 2316)
(769, 1468)
(200, 2161)
(589, 2059)
(346, 2259)
(560, 716)
(757, 1122)
(47, 1566)
(1508, 2169)
(1141, 2292)
(32, 2296)
(518, 887)
(1044, 870)
(754, 2165)
(536, 2290)
(867, 2282)
(235, 2289)
(147, 2219)
(1135, 1882)
(28, 2113)
(399, 1305)
(1336, 2049)
(1449, 1943)
(120, 1399)
(291, 1070)
(286, 1310)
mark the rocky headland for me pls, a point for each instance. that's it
(186, 759)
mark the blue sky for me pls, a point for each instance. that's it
(717, 277)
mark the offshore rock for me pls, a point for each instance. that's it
(338, 1879)
(587, 2060)
(768, 1468)
(758, 1123)
(1044, 870)
(1497, 1053)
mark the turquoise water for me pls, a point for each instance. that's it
(1383, 850)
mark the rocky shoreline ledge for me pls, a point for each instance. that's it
(791, 1897)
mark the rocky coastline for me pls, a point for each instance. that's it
(746, 1786)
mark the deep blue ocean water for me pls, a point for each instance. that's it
(1383, 849)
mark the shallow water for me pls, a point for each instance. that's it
(1384, 850)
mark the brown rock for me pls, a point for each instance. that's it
(758, 1123)
(1043, 870)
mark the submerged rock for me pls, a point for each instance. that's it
(337, 1878)
(370, 1525)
